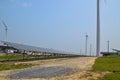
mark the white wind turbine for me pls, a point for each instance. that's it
(98, 29)
(6, 29)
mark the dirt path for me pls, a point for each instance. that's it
(62, 69)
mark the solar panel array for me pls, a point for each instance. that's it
(36, 49)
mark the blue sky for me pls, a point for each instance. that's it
(60, 24)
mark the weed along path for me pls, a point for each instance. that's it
(52, 70)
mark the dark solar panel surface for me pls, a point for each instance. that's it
(32, 48)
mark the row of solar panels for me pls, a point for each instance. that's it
(35, 49)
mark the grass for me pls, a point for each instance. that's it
(111, 64)
(10, 57)
(15, 57)
(18, 57)
(7, 65)
(13, 66)
(112, 76)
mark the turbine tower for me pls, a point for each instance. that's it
(98, 29)
(108, 45)
(6, 29)
(86, 44)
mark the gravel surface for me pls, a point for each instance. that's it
(53, 69)
(39, 72)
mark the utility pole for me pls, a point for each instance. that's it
(86, 44)
(108, 45)
(98, 29)
(80, 52)
(90, 49)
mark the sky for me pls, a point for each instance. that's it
(60, 24)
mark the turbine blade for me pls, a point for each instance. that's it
(4, 25)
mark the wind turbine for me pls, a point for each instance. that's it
(86, 44)
(90, 49)
(108, 45)
(98, 29)
(6, 29)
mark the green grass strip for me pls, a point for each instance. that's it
(112, 76)
(111, 64)
(13, 66)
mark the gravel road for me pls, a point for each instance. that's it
(54, 68)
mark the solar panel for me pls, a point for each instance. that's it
(36, 49)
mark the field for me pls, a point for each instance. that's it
(13, 66)
(72, 69)
(19, 57)
(5, 57)
(104, 68)
(8, 61)
(111, 65)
